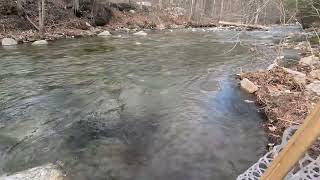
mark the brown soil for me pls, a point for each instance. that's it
(62, 23)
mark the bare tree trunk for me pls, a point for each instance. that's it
(40, 14)
(221, 10)
(213, 8)
(283, 12)
(43, 10)
(160, 4)
(191, 9)
(76, 6)
(256, 19)
(41, 6)
(20, 7)
(265, 16)
(202, 9)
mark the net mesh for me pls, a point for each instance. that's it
(307, 168)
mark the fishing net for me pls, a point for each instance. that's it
(307, 168)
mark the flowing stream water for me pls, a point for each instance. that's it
(111, 108)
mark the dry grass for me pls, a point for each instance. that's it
(284, 101)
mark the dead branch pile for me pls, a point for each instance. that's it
(284, 101)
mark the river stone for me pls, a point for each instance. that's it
(88, 24)
(299, 77)
(314, 87)
(293, 72)
(8, 42)
(310, 60)
(161, 27)
(45, 172)
(140, 33)
(40, 42)
(144, 4)
(248, 86)
(104, 33)
(271, 66)
(300, 80)
(315, 74)
(209, 86)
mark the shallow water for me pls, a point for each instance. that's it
(107, 108)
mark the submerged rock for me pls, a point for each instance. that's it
(8, 42)
(40, 42)
(248, 86)
(104, 33)
(46, 172)
(140, 33)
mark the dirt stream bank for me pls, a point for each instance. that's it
(287, 94)
(60, 21)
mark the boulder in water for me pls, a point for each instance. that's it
(8, 42)
(40, 42)
(248, 86)
(140, 33)
(46, 172)
(132, 11)
(104, 33)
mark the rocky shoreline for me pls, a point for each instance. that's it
(133, 20)
(286, 93)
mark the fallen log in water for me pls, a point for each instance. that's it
(247, 26)
(201, 25)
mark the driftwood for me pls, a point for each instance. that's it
(248, 26)
(201, 25)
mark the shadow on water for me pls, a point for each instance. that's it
(111, 109)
